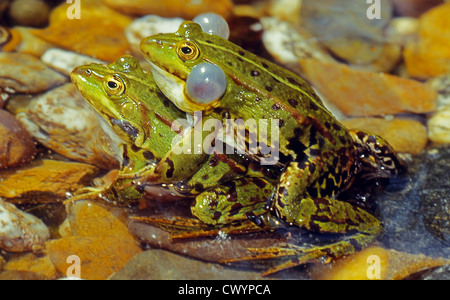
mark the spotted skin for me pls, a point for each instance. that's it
(319, 157)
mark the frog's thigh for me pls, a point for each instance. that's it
(235, 201)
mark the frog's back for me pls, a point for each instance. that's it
(288, 94)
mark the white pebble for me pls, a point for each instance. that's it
(65, 61)
(20, 231)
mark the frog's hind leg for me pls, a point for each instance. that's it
(305, 199)
(353, 228)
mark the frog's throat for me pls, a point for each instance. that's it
(115, 142)
(173, 88)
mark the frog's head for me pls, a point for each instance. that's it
(173, 57)
(123, 96)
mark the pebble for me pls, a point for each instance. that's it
(172, 8)
(65, 61)
(62, 121)
(362, 93)
(287, 45)
(45, 181)
(164, 265)
(375, 263)
(39, 265)
(439, 127)
(402, 30)
(20, 231)
(405, 135)
(25, 73)
(438, 124)
(414, 8)
(147, 26)
(429, 55)
(29, 12)
(99, 238)
(99, 31)
(16, 145)
(26, 42)
(344, 28)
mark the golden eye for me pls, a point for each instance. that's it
(114, 85)
(188, 51)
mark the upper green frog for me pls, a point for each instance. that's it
(320, 157)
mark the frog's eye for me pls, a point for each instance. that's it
(206, 83)
(114, 85)
(188, 51)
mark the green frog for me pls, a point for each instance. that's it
(320, 158)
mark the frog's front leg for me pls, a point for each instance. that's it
(237, 207)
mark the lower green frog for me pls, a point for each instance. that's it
(233, 192)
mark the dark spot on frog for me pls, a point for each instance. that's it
(269, 88)
(216, 216)
(209, 42)
(166, 103)
(126, 127)
(255, 73)
(327, 125)
(311, 168)
(314, 152)
(148, 155)
(276, 106)
(276, 80)
(321, 142)
(312, 191)
(169, 172)
(264, 65)
(371, 139)
(293, 102)
(229, 63)
(126, 159)
(205, 177)
(259, 183)
(235, 209)
(258, 99)
(313, 106)
(280, 123)
(241, 53)
(199, 187)
(343, 139)
(337, 127)
(240, 59)
(335, 161)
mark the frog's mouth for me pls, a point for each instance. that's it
(171, 85)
